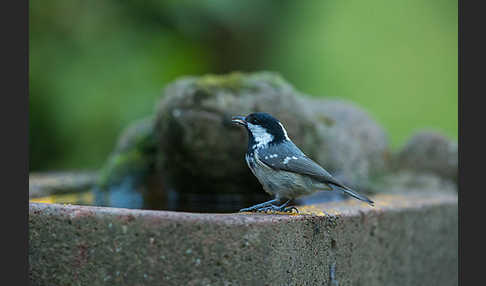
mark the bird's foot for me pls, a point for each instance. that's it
(270, 207)
(259, 206)
(273, 208)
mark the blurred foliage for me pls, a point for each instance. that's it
(95, 66)
(397, 59)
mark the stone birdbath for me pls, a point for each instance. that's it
(163, 210)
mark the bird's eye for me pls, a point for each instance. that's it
(252, 120)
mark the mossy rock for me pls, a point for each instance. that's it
(200, 150)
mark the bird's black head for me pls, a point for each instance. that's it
(262, 128)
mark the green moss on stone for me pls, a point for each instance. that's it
(233, 81)
(236, 81)
(133, 156)
(123, 165)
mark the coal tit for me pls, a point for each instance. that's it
(284, 171)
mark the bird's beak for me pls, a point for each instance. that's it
(238, 120)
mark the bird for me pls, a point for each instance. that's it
(283, 170)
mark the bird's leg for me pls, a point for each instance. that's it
(282, 208)
(259, 206)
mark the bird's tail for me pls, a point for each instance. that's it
(354, 195)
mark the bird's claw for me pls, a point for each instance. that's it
(290, 210)
(271, 208)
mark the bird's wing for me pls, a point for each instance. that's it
(292, 159)
(289, 158)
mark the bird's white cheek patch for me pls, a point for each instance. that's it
(262, 137)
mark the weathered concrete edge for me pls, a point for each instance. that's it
(373, 246)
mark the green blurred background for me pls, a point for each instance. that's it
(95, 66)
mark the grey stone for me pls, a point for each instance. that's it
(200, 150)
(349, 141)
(429, 152)
(53, 183)
(409, 181)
